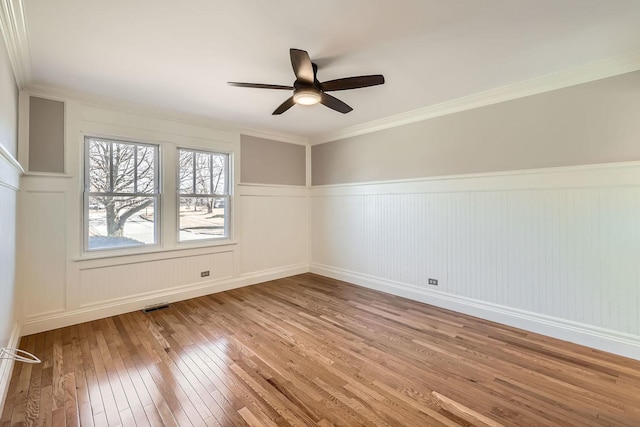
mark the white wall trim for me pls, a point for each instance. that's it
(14, 31)
(582, 176)
(269, 190)
(276, 136)
(102, 259)
(6, 365)
(591, 336)
(129, 304)
(10, 160)
(257, 277)
(118, 105)
(10, 170)
(584, 74)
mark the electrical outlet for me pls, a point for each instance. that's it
(204, 273)
(433, 282)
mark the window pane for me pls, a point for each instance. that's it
(123, 168)
(202, 176)
(202, 218)
(203, 173)
(145, 167)
(210, 173)
(99, 166)
(185, 172)
(219, 176)
(116, 222)
(116, 168)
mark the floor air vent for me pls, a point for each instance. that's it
(155, 307)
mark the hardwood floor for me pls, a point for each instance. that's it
(308, 350)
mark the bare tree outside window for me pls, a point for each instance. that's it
(122, 196)
(203, 194)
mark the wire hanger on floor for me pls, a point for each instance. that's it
(18, 355)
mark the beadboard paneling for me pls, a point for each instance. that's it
(62, 285)
(275, 228)
(9, 181)
(569, 249)
(42, 259)
(100, 285)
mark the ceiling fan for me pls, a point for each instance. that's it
(307, 90)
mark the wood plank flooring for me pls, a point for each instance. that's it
(308, 350)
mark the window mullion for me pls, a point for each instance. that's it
(135, 168)
(226, 175)
(156, 169)
(111, 167)
(193, 176)
(211, 173)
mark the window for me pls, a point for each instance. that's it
(203, 194)
(121, 197)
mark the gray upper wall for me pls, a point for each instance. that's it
(596, 122)
(8, 104)
(264, 161)
(46, 135)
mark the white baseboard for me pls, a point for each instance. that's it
(72, 317)
(6, 365)
(579, 333)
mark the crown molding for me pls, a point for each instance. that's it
(275, 136)
(14, 32)
(71, 95)
(574, 76)
(63, 94)
(66, 94)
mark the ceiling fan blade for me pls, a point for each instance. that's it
(284, 106)
(353, 82)
(302, 66)
(334, 103)
(259, 86)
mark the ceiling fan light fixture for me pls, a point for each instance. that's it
(307, 90)
(306, 96)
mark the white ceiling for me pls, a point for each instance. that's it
(178, 55)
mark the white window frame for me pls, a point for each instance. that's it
(226, 195)
(157, 195)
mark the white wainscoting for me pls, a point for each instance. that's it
(111, 283)
(62, 286)
(272, 242)
(6, 365)
(555, 251)
(275, 227)
(43, 251)
(9, 183)
(10, 171)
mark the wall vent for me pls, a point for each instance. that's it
(155, 307)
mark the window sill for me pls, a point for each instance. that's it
(157, 252)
